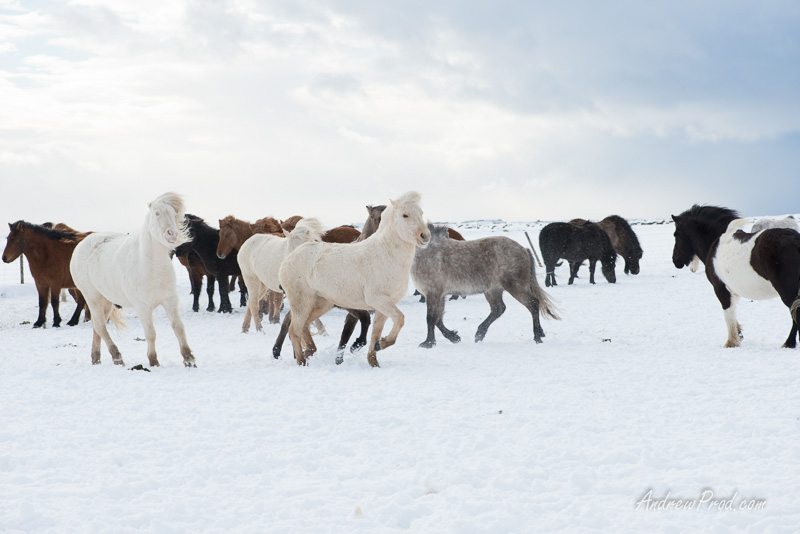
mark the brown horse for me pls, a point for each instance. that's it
(48, 252)
(623, 239)
(289, 224)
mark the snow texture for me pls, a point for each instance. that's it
(630, 393)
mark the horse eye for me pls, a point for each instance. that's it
(158, 213)
(405, 216)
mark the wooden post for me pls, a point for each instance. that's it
(533, 249)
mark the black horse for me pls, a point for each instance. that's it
(575, 244)
(757, 266)
(204, 244)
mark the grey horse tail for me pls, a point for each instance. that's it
(546, 305)
(795, 309)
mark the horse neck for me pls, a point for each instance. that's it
(149, 246)
(243, 230)
(388, 239)
(702, 241)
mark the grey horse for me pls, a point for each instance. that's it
(490, 266)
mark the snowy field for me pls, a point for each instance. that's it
(630, 399)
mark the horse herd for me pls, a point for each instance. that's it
(367, 272)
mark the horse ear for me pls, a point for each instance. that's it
(676, 218)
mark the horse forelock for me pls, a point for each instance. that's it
(310, 227)
(410, 197)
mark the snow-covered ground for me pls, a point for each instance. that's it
(631, 398)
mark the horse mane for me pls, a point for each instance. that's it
(198, 223)
(48, 232)
(714, 218)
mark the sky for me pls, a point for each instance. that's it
(513, 110)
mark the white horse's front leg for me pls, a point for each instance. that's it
(377, 328)
(171, 307)
(146, 317)
(734, 328)
(695, 264)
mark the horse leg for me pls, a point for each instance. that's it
(170, 305)
(791, 299)
(434, 304)
(276, 348)
(496, 308)
(592, 265)
(76, 316)
(255, 289)
(146, 317)
(275, 299)
(573, 271)
(525, 296)
(55, 296)
(728, 301)
(210, 281)
(44, 295)
(224, 301)
(105, 308)
(389, 309)
(374, 341)
(627, 267)
(242, 293)
(451, 335)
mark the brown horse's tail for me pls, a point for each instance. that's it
(546, 305)
(118, 318)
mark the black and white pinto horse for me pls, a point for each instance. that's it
(759, 265)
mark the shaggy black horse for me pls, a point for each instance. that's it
(575, 244)
(759, 265)
(204, 244)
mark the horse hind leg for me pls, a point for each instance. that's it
(527, 298)
(105, 310)
(497, 308)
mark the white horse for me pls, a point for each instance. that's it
(260, 258)
(369, 275)
(134, 270)
(766, 223)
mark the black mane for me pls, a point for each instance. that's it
(714, 218)
(49, 233)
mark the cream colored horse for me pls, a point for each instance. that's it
(134, 270)
(260, 258)
(369, 275)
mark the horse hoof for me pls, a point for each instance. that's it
(339, 359)
(427, 344)
(190, 365)
(276, 352)
(117, 362)
(37, 325)
(358, 345)
(537, 339)
(377, 346)
(454, 338)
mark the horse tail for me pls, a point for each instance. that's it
(546, 305)
(118, 318)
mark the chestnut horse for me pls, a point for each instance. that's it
(48, 251)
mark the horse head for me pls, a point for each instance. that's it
(632, 262)
(608, 263)
(15, 242)
(166, 221)
(308, 229)
(227, 237)
(406, 218)
(683, 252)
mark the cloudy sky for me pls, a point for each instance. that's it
(518, 110)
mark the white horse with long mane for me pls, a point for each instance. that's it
(260, 258)
(134, 270)
(369, 275)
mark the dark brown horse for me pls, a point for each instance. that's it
(48, 252)
(623, 239)
(576, 243)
